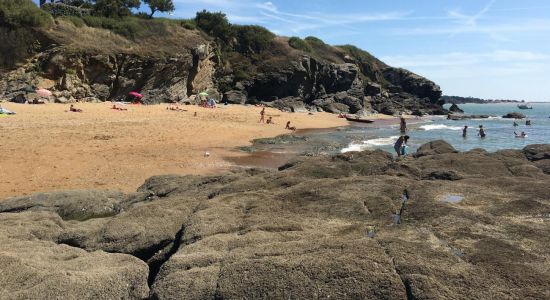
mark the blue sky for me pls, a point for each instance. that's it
(482, 48)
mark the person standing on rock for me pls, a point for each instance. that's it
(464, 131)
(400, 145)
(403, 126)
(481, 132)
(262, 116)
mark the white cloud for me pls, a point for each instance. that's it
(297, 23)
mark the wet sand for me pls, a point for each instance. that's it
(46, 148)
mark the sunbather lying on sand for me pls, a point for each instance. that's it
(174, 107)
(74, 109)
(115, 107)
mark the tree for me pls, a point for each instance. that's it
(160, 5)
(215, 24)
(115, 8)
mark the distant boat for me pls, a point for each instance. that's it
(359, 120)
(524, 106)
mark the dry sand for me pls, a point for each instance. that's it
(45, 148)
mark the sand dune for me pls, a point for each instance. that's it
(45, 148)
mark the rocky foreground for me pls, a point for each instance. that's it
(439, 225)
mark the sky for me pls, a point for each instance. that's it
(496, 49)
(493, 49)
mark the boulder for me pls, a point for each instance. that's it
(45, 270)
(289, 104)
(373, 89)
(101, 91)
(434, 147)
(69, 205)
(537, 152)
(514, 115)
(455, 109)
(235, 97)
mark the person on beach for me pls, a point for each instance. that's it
(400, 145)
(481, 132)
(403, 125)
(290, 127)
(74, 109)
(262, 115)
(464, 131)
(174, 107)
(115, 107)
(270, 120)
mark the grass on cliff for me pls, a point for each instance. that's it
(23, 13)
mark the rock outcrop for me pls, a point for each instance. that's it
(354, 225)
(339, 84)
(455, 109)
(514, 115)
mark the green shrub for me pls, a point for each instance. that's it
(215, 25)
(188, 24)
(129, 27)
(15, 13)
(314, 40)
(77, 21)
(252, 39)
(362, 56)
(298, 43)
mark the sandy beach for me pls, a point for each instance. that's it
(46, 148)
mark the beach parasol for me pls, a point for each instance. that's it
(43, 93)
(135, 94)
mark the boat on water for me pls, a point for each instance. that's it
(359, 120)
(524, 106)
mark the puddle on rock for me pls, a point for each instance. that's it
(452, 198)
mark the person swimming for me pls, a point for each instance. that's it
(515, 124)
(521, 135)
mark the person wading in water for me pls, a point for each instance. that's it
(481, 132)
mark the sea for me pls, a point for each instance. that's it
(499, 131)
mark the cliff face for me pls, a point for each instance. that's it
(189, 63)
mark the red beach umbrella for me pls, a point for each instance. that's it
(135, 94)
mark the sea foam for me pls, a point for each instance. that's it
(372, 143)
(439, 127)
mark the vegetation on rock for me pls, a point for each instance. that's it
(22, 13)
(297, 43)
